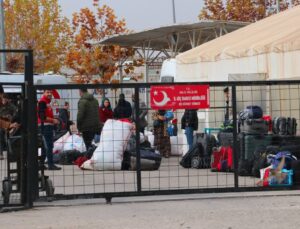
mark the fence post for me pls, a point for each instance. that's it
(31, 138)
(137, 134)
(235, 151)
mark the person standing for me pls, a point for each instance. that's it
(46, 122)
(88, 117)
(123, 108)
(105, 112)
(142, 115)
(161, 138)
(64, 115)
(189, 122)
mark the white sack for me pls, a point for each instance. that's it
(74, 142)
(113, 142)
(179, 144)
(59, 143)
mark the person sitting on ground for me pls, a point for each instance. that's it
(276, 175)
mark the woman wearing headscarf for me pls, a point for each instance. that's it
(105, 112)
(161, 137)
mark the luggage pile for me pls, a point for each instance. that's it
(260, 139)
(261, 142)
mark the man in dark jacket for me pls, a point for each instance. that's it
(123, 108)
(88, 117)
(189, 122)
(142, 114)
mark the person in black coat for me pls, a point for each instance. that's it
(123, 108)
(189, 122)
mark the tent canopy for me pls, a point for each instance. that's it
(182, 35)
(278, 33)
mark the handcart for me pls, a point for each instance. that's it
(15, 162)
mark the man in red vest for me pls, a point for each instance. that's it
(46, 122)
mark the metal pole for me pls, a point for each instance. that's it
(2, 38)
(137, 134)
(174, 13)
(235, 142)
(278, 5)
(32, 149)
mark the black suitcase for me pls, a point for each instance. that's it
(294, 149)
(254, 126)
(296, 172)
(279, 125)
(206, 141)
(225, 138)
(150, 159)
(249, 143)
(291, 126)
(194, 152)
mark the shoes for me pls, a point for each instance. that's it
(54, 167)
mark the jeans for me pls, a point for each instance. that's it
(47, 151)
(97, 138)
(189, 136)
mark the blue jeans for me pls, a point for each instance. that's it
(47, 150)
(189, 136)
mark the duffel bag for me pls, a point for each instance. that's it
(251, 112)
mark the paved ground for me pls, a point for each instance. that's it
(230, 211)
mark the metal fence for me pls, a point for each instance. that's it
(119, 167)
(276, 99)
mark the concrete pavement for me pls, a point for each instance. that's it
(280, 209)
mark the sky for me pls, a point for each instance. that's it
(142, 14)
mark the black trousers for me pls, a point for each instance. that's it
(88, 137)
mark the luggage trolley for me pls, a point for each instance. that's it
(13, 182)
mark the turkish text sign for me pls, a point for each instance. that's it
(179, 97)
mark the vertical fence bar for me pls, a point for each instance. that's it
(23, 146)
(137, 133)
(235, 149)
(32, 150)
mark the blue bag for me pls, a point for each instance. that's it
(169, 115)
(251, 112)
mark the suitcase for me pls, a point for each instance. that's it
(150, 159)
(225, 138)
(206, 141)
(291, 126)
(296, 169)
(249, 143)
(254, 126)
(294, 149)
(284, 140)
(279, 125)
(195, 158)
(187, 158)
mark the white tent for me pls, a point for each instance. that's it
(268, 49)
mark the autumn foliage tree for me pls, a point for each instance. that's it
(242, 10)
(96, 60)
(37, 25)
